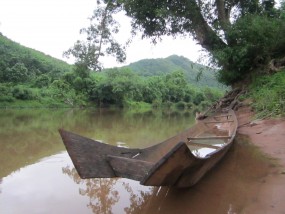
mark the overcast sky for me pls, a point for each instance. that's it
(52, 26)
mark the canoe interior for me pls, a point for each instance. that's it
(179, 161)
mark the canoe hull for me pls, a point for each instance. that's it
(172, 162)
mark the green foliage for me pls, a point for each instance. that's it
(17, 73)
(6, 94)
(181, 105)
(156, 103)
(268, 93)
(205, 104)
(42, 80)
(168, 104)
(63, 92)
(78, 84)
(81, 70)
(99, 41)
(6, 98)
(122, 86)
(240, 35)
(190, 105)
(154, 90)
(212, 94)
(4, 89)
(20, 64)
(175, 84)
(21, 92)
(137, 105)
(117, 86)
(69, 77)
(257, 40)
(198, 98)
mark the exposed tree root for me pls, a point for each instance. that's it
(229, 101)
(276, 65)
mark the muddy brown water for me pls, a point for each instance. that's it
(37, 175)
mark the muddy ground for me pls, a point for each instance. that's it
(269, 136)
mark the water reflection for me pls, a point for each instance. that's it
(38, 181)
(115, 195)
(101, 192)
(29, 175)
(229, 188)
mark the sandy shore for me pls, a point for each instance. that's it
(269, 136)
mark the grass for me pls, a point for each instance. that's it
(268, 94)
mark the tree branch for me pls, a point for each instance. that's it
(223, 14)
(204, 34)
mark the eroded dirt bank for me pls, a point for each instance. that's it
(269, 136)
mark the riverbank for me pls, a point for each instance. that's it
(269, 136)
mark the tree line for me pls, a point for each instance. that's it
(31, 78)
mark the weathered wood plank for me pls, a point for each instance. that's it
(227, 121)
(202, 145)
(168, 170)
(226, 115)
(129, 167)
(209, 138)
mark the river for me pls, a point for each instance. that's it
(37, 175)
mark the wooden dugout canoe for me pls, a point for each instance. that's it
(180, 161)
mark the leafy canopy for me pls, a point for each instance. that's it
(221, 27)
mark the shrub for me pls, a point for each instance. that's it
(156, 103)
(7, 98)
(199, 97)
(181, 105)
(5, 90)
(190, 105)
(22, 93)
(17, 73)
(42, 81)
(205, 104)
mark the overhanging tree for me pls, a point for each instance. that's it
(210, 22)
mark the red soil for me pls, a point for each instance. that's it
(269, 136)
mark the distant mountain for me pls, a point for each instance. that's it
(160, 66)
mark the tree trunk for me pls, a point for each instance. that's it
(203, 33)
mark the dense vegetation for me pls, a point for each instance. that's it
(31, 79)
(259, 48)
(242, 37)
(20, 64)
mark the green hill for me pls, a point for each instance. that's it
(14, 56)
(161, 66)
